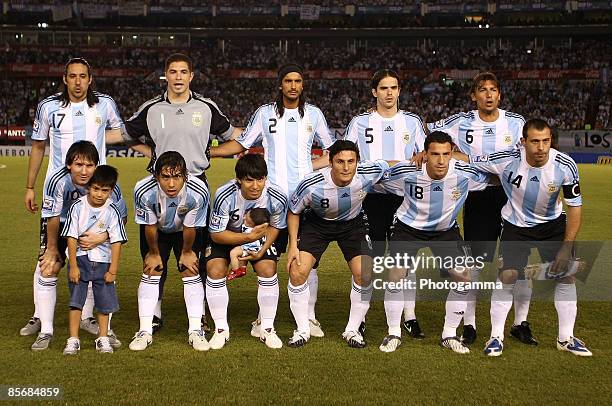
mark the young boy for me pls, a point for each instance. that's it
(94, 212)
(252, 218)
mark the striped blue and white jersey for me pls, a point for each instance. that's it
(430, 204)
(82, 217)
(64, 126)
(473, 136)
(393, 139)
(60, 192)
(331, 202)
(229, 207)
(188, 208)
(533, 192)
(287, 141)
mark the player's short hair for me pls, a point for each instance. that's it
(84, 150)
(384, 73)
(342, 145)
(251, 166)
(537, 124)
(172, 160)
(178, 58)
(483, 77)
(259, 215)
(104, 175)
(439, 137)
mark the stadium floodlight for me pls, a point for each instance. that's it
(529, 51)
(487, 26)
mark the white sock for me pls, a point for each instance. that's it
(267, 298)
(204, 303)
(394, 303)
(35, 288)
(522, 299)
(218, 300)
(148, 292)
(88, 307)
(46, 297)
(469, 317)
(193, 292)
(501, 302)
(455, 310)
(567, 308)
(410, 298)
(360, 303)
(298, 302)
(157, 311)
(313, 285)
(110, 316)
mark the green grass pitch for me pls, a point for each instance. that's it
(323, 371)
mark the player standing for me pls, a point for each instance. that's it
(76, 113)
(483, 131)
(387, 133)
(532, 177)
(287, 128)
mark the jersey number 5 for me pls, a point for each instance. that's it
(369, 137)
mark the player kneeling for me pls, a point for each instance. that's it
(94, 212)
(171, 204)
(334, 196)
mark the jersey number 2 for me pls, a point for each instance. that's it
(272, 126)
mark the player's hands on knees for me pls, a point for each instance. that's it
(48, 260)
(30, 201)
(152, 262)
(189, 262)
(293, 254)
(90, 240)
(563, 257)
(419, 159)
(258, 232)
(74, 275)
(111, 275)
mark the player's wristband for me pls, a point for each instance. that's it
(28, 187)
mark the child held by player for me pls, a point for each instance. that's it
(252, 218)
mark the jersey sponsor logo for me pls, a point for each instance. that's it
(182, 210)
(141, 214)
(455, 194)
(196, 119)
(534, 179)
(437, 188)
(291, 120)
(508, 139)
(489, 131)
(481, 158)
(389, 128)
(179, 112)
(79, 113)
(173, 204)
(93, 217)
(47, 204)
(345, 195)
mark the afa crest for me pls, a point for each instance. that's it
(406, 138)
(196, 119)
(552, 188)
(98, 120)
(455, 194)
(508, 139)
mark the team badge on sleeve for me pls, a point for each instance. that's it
(481, 158)
(47, 204)
(141, 214)
(439, 124)
(35, 126)
(215, 220)
(295, 199)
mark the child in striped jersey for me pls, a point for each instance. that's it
(94, 212)
(252, 218)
